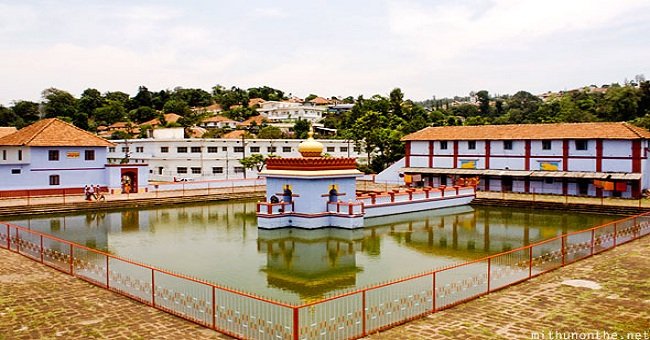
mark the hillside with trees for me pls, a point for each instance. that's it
(377, 123)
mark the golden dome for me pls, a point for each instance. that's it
(310, 147)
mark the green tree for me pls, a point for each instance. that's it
(483, 103)
(240, 113)
(111, 112)
(255, 160)
(620, 103)
(522, 108)
(143, 114)
(464, 110)
(176, 106)
(121, 135)
(310, 97)
(144, 97)
(90, 100)
(270, 132)
(193, 97)
(58, 103)
(300, 129)
(644, 99)
(159, 99)
(8, 117)
(119, 96)
(228, 98)
(396, 99)
(27, 111)
(266, 93)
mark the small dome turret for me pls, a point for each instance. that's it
(310, 147)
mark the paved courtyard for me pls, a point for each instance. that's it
(37, 302)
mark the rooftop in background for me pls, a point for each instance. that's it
(320, 101)
(53, 132)
(169, 118)
(234, 134)
(7, 130)
(619, 130)
(259, 120)
(217, 119)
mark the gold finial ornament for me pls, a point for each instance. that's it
(310, 147)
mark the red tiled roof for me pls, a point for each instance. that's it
(169, 118)
(319, 101)
(255, 101)
(53, 132)
(259, 119)
(214, 108)
(234, 134)
(217, 119)
(619, 130)
(118, 125)
(7, 130)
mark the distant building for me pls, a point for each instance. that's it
(279, 112)
(168, 118)
(220, 122)
(587, 159)
(202, 158)
(51, 155)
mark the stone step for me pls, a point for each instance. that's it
(121, 204)
(601, 209)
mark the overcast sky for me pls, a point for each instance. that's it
(331, 48)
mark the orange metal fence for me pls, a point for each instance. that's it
(346, 316)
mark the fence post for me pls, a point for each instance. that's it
(153, 287)
(17, 241)
(530, 261)
(563, 253)
(214, 308)
(108, 281)
(296, 324)
(489, 269)
(71, 260)
(363, 313)
(41, 248)
(8, 237)
(593, 240)
(433, 308)
(615, 232)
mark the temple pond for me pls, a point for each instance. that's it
(220, 243)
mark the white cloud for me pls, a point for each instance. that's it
(14, 18)
(267, 13)
(450, 29)
(74, 68)
(447, 47)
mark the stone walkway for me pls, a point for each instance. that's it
(37, 302)
(547, 303)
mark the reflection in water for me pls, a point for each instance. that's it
(219, 242)
(311, 262)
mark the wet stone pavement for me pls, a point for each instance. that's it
(613, 302)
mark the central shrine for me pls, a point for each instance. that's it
(317, 191)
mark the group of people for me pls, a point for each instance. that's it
(93, 192)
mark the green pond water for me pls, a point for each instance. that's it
(220, 243)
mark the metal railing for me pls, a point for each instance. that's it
(346, 316)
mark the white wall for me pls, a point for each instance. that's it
(174, 133)
(149, 151)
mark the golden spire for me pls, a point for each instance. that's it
(310, 147)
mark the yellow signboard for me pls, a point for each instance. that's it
(72, 154)
(466, 164)
(549, 166)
